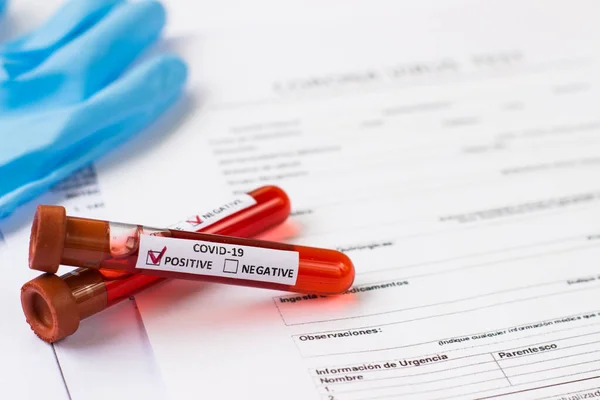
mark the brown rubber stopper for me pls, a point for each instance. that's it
(49, 307)
(47, 238)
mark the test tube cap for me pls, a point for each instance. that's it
(50, 308)
(47, 238)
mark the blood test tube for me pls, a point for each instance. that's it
(171, 253)
(54, 306)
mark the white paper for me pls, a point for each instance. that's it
(110, 357)
(451, 154)
(25, 358)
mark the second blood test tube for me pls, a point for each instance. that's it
(54, 306)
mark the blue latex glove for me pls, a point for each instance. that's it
(64, 100)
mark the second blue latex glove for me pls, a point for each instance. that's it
(64, 100)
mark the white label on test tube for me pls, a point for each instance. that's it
(200, 221)
(218, 259)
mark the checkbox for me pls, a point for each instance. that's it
(231, 266)
(154, 257)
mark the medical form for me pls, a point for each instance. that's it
(453, 155)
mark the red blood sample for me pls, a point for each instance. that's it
(57, 239)
(54, 306)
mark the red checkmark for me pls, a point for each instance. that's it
(156, 259)
(196, 221)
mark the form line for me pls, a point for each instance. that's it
(62, 375)
(503, 373)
